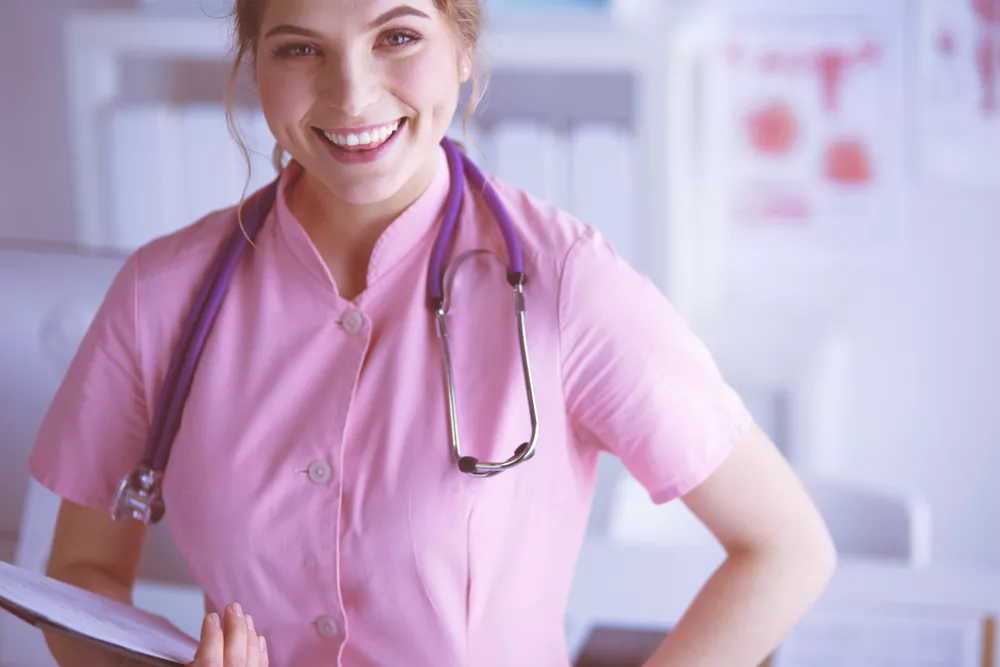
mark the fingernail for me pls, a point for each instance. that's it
(213, 618)
(262, 644)
(250, 622)
(237, 609)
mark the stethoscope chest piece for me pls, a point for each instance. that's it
(139, 497)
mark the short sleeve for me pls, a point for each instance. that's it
(95, 428)
(639, 383)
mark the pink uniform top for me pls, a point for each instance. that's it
(312, 478)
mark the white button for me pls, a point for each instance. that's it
(326, 626)
(352, 322)
(319, 472)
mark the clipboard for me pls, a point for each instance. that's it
(56, 607)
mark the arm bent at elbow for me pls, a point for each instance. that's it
(780, 559)
(92, 552)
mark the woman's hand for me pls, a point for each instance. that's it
(231, 642)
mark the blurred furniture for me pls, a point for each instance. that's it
(874, 523)
(649, 587)
(49, 295)
(869, 525)
(799, 388)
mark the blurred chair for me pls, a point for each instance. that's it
(49, 295)
(874, 523)
(868, 525)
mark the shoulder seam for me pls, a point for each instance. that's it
(567, 258)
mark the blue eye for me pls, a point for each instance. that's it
(400, 38)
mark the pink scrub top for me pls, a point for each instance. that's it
(312, 478)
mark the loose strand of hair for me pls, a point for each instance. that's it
(235, 133)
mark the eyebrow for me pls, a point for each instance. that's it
(381, 19)
(395, 13)
(291, 30)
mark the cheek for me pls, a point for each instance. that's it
(284, 95)
(425, 83)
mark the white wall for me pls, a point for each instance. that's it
(927, 392)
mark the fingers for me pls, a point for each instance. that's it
(235, 626)
(230, 642)
(264, 660)
(210, 648)
(253, 644)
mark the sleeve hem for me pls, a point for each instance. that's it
(685, 485)
(47, 480)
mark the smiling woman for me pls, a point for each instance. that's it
(311, 487)
(323, 73)
(359, 100)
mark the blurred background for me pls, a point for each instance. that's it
(814, 183)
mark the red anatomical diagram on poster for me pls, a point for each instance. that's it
(772, 129)
(987, 13)
(959, 90)
(806, 111)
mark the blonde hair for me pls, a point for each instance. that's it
(464, 16)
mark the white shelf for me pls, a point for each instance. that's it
(98, 42)
(583, 46)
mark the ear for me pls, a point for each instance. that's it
(464, 67)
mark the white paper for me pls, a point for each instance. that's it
(527, 157)
(889, 638)
(214, 169)
(146, 170)
(94, 616)
(603, 185)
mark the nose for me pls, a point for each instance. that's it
(350, 83)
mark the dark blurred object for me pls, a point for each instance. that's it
(619, 647)
(622, 647)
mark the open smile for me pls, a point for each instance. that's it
(361, 145)
(362, 139)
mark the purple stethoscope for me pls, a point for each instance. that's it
(139, 494)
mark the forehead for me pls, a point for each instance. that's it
(331, 16)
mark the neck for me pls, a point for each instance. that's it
(352, 228)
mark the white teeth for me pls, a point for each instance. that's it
(364, 138)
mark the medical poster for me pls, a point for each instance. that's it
(958, 91)
(803, 144)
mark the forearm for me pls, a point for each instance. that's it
(746, 608)
(73, 653)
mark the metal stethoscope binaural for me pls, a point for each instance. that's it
(139, 494)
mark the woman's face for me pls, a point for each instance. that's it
(359, 93)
